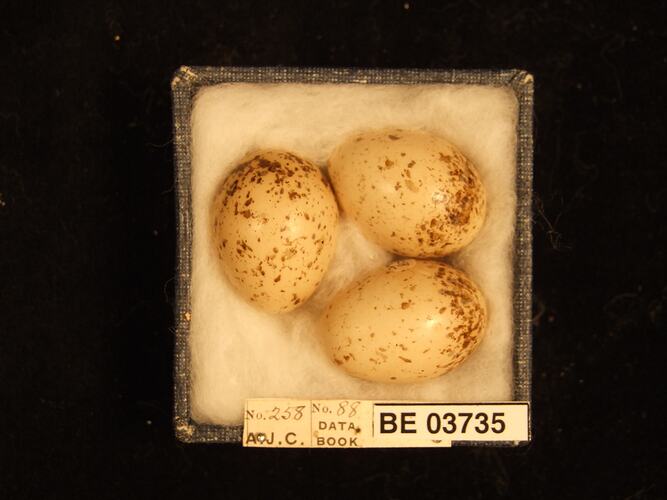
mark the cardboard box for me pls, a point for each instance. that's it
(186, 85)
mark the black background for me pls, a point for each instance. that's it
(87, 244)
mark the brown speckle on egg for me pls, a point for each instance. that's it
(409, 340)
(273, 219)
(424, 175)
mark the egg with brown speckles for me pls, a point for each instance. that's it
(275, 221)
(410, 321)
(413, 193)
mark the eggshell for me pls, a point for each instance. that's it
(413, 193)
(410, 321)
(275, 220)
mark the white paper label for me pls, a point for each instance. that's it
(342, 423)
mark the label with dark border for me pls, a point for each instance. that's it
(348, 423)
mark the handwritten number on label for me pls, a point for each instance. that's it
(341, 408)
(299, 412)
(294, 413)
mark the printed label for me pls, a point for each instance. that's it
(342, 423)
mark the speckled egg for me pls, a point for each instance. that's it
(275, 221)
(410, 321)
(413, 193)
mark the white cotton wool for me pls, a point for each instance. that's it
(240, 352)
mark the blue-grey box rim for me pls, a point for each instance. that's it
(187, 81)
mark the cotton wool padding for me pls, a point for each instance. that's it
(238, 351)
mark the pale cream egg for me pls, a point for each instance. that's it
(274, 223)
(410, 321)
(413, 193)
